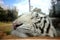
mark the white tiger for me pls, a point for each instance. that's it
(28, 25)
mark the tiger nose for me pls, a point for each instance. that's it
(16, 25)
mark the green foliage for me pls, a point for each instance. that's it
(8, 15)
(55, 9)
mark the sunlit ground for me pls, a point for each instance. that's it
(5, 29)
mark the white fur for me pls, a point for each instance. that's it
(28, 24)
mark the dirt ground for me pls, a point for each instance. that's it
(6, 27)
(5, 36)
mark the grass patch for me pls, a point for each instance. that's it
(6, 27)
(7, 32)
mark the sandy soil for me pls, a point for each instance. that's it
(5, 36)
